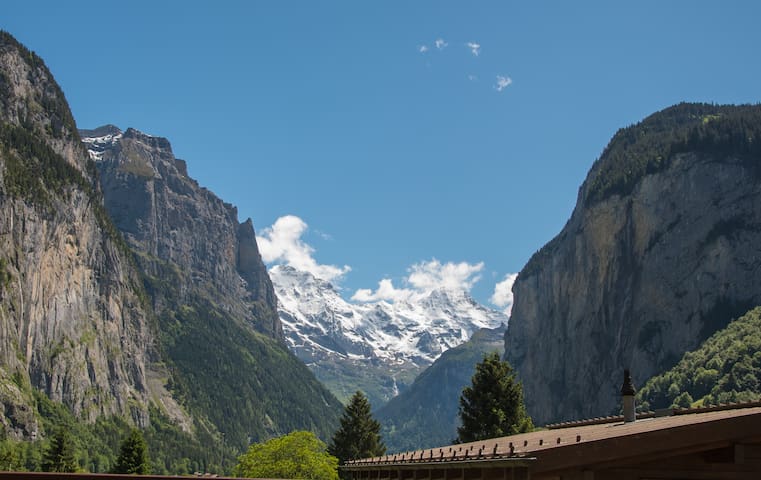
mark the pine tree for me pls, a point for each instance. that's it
(60, 455)
(359, 433)
(133, 455)
(493, 405)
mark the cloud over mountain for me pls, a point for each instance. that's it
(282, 243)
(503, 293)
(425, 277)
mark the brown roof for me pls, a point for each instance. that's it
(557, 447)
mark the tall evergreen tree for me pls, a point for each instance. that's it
(133, 455)
(493, 405)
(359, 433)
(60, 455)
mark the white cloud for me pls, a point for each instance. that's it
(423, 278)
(433, 274)
(503, 293)
(385, 291)
(422, 48)
(475, 48)
(503, 82)
(281, 243)
(440, 43)
(472, 78)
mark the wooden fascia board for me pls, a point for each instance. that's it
(651, 445)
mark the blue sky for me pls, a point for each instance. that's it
(394, 150)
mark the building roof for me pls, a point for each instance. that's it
(601, 439)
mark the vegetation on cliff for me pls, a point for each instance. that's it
(725, 368)
(649, 146)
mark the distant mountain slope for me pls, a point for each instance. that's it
(378, 347)
(425, 415)
(215, 304)
(660, 252)
(725, 368)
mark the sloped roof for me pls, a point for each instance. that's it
(560, 446)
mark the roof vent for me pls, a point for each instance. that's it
(627, 392)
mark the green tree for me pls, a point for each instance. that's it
(298, 455)
(493, 405)
(359, 433)
(10, 456)
(60, 455)
(133, 455)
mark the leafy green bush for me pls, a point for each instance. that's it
(725, 368)
(298, 455)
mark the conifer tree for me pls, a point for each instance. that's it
(359, 433)
(60, 455)
(493, 405)
(133, 455)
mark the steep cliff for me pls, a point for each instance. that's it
(163, 317)
(168, 218)
(73, 321)
(661, 250)
(215, 304)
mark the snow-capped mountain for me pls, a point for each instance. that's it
(377, 347)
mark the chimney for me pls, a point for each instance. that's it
(627, 392)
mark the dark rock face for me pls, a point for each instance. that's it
(635, 280)
(72, 320)
(169, 219)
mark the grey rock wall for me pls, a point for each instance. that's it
(73, 323)
(634, 281)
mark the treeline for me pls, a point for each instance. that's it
(649, 146)
(51, 100)
(95, 447)
(726, 368)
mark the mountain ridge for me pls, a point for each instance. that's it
(380, 346)
(210, 290)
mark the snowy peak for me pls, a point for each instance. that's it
(100, 139)
(407, 334)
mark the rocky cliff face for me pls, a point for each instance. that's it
(215, 304)
(661, 250)
(169, 219)
(73, 322)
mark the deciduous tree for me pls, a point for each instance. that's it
(299, 455)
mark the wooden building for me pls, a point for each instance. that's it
(722, 442)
